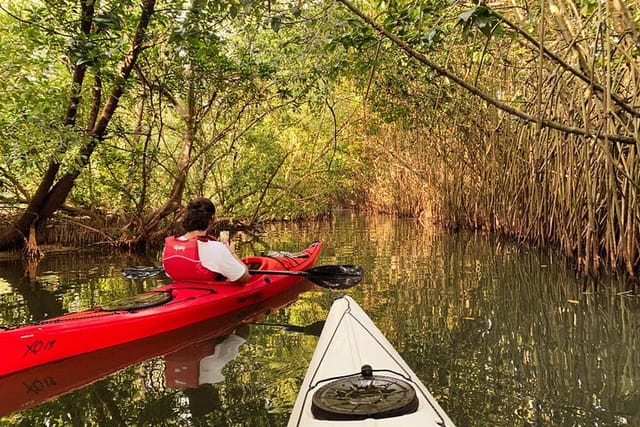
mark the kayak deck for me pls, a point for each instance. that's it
(349, 341)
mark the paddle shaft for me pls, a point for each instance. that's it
(280, 272)
(157, 270)
(327, 276)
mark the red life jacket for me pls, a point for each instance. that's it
(181, 261)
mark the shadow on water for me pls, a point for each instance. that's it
(501, 334)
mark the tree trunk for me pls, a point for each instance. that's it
(182, 168)
(50, 197)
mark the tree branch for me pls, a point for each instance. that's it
(623, 139)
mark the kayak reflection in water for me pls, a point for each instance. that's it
(196, 368)
(202, 363)
(197, 256)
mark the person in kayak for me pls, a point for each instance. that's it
(195, 256)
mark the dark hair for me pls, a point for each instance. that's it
(198, 214)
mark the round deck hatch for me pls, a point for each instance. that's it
(364, 396)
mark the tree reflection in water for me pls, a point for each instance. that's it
(500, 333)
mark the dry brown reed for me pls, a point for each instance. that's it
(484, 169)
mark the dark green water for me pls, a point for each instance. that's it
(502, 335)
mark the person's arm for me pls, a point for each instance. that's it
(221, 258)
(245, 276)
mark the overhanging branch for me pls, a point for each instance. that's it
(623, 139)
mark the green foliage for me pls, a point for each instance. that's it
(482, 18)
(33, 102)
(235, 61)
(587, 7)
(249, 102)
(351, 33)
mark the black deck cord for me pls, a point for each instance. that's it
(275, 257)
(197, 288)
(279, 259)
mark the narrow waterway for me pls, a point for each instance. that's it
(501, 334)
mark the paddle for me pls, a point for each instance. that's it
(342, 276)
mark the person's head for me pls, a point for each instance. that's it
(198, 215)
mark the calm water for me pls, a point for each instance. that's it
(502, 335)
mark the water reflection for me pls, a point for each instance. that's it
(202, 363)
(504, 335)
(196, 368)
(501, 334)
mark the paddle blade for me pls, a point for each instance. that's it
(343, 276)
(313, 329)
(141, 272)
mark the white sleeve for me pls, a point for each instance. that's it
(217, 257)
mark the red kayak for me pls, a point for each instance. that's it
(164, 309)
(34, 386)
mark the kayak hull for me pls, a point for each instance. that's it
(350, 340)
(31, 387)
(31, 345)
